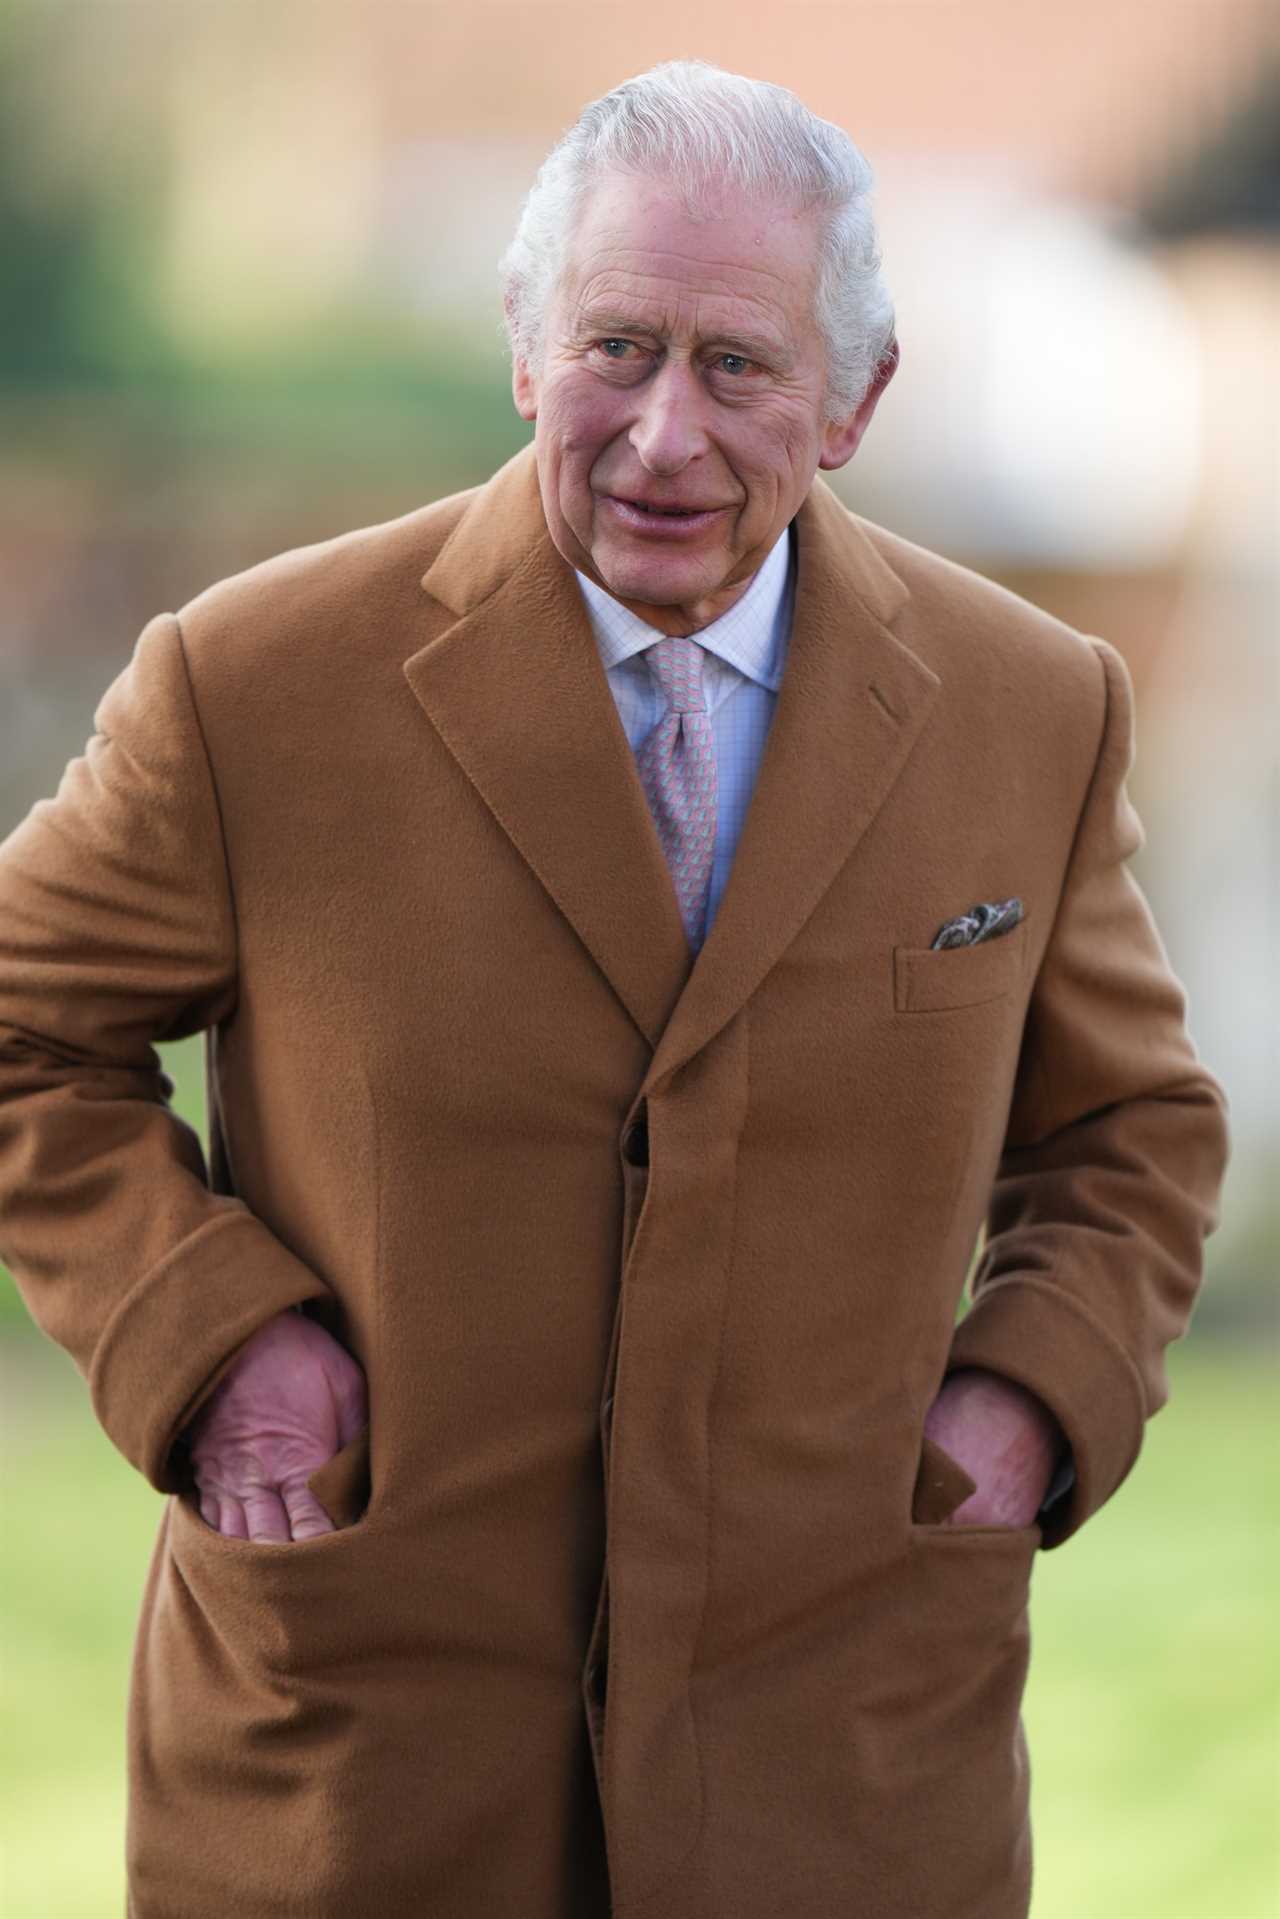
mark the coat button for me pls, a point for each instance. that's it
(635, 1146)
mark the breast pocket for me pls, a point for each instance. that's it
(929, 980)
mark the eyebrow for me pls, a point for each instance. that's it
(755, 347)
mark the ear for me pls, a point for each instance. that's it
(524, 390)
(840, 438)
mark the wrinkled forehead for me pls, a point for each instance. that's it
(639, 249)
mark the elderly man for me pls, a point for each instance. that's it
(647, 920)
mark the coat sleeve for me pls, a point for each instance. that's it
(117, 929)
(1112, 1161)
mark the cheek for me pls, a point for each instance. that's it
(582, 420)
(777, 450)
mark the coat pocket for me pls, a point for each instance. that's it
(930, 980)
(942, 1486)
(288, 1605)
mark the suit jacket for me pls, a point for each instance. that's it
(640, 1597)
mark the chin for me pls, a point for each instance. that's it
(670, 581)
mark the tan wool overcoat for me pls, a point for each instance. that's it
(641, 1597)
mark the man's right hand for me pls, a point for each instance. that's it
(291, 1400)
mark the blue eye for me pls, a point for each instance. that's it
(607, 345)
(741, 363)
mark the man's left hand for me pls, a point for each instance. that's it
(1006, 1439)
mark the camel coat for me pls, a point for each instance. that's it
(640, 1598)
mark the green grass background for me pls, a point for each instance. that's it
(1153, 1709)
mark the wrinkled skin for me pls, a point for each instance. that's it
(292, 1399)
(683, 366)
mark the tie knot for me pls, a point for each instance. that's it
(676, 664)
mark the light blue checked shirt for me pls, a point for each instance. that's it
(746, 650)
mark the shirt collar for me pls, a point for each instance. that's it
(751, 636)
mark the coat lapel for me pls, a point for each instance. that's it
(516, 690)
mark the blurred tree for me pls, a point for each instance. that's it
(76, 244)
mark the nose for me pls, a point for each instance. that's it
(668, 430)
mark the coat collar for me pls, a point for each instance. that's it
(515, 688)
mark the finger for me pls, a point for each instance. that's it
(307, 1517)
(231, 1520)
(266, 1515)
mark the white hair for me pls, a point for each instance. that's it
(703, 130)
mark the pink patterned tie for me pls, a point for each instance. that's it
(677, 766)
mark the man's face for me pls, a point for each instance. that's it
(683, 370)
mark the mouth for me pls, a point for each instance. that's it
(669, 512)
(665, 519)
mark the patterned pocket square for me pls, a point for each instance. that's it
(982, 922)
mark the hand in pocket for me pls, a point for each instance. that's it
(1003, 1438)
(290, 1401)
